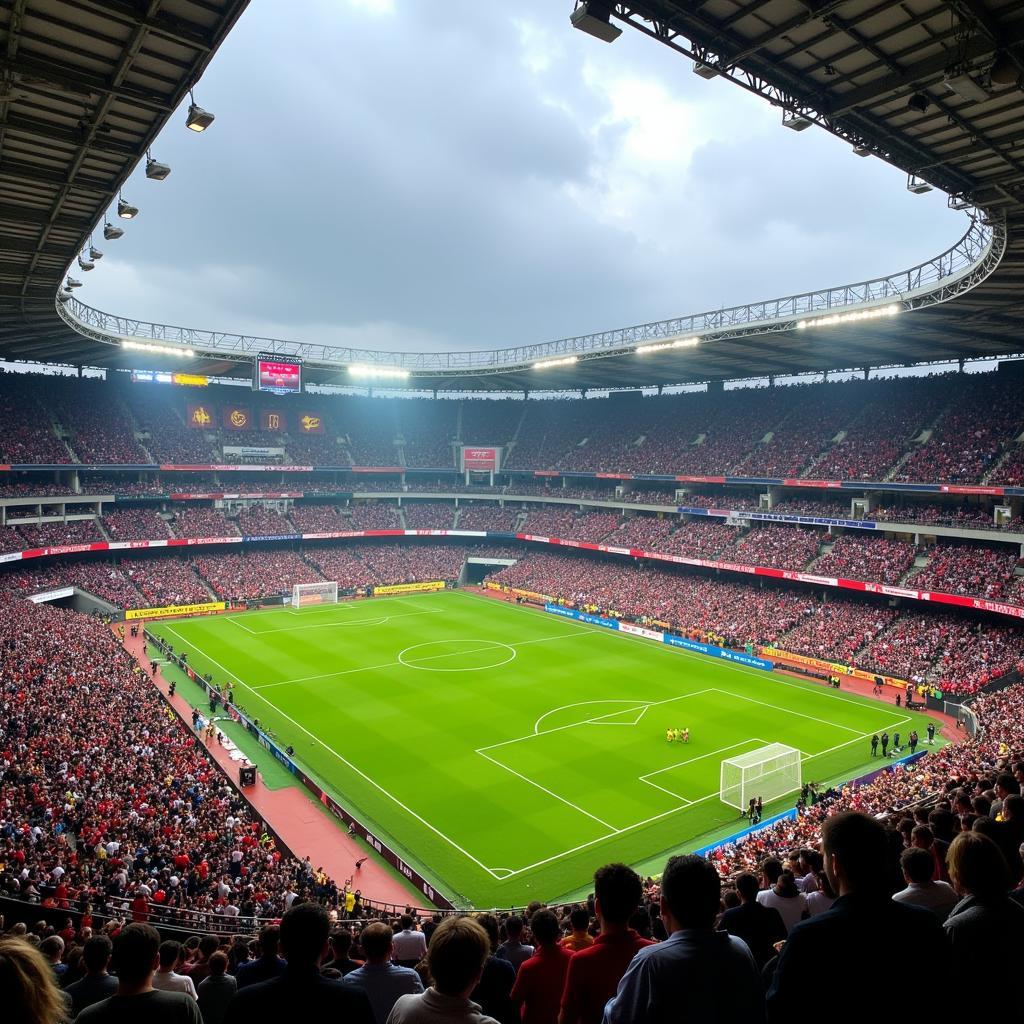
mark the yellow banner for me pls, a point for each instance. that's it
(833, 667)
(530, 595)
(410, 588)
(173, 609)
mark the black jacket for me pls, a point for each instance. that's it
(758, 926)
(300, 991)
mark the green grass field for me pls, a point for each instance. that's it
(508, 752)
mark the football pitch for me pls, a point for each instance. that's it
(507, 752)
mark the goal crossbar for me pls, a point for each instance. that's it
(769, 772)
(314, 593)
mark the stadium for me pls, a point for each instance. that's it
(302, 635)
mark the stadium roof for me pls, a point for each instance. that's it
(932, 87)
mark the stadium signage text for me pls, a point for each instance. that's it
(174, 609)
(410, 588)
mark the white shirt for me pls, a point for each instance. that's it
(818, 902)
(410, 945)
(938, 897)
(790, 907)
(168, 981)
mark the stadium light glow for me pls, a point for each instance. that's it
(125, 210)
(847, 318)
(197, 120)
(165, 350)
(661, 346)
(545, 364)
(381, 372)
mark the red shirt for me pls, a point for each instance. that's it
(140, 910)
(594, 975)
(539, 984)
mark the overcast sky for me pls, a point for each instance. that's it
(402, 174)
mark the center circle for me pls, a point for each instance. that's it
(431, 656)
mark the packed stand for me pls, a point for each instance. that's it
(169, 439)
(97, 421)
(567, 523)
(426, 515)
(202, 521)
(495, 518)
(135, 524)
(254, 574)
(978, 572)
(263, 521)
(836, 630)
(101, 578)
(874, 559)
(374, 515)
(780, 547)
(75, 531)
(318, 518)
(970, 516)
(124, 485)
(28, 436)
(166, 581)
(315, 450)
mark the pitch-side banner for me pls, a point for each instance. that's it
(174, 609)
(410, 588)
(832, 667)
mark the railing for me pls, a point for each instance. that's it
(961, 267)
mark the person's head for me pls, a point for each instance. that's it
(856, 849)
(405, 921)
(977, 866)
(580, 919)
(341, 943)
(52, 947)
(30, 993)
(747, 886)
(514, 927)
(304, 931)
(690, 893)
(270, 937)
(544, 926)
(617, 893)
(921, 837)
(786, 885)
(208, 945)
(170, 951)
(135, 954)
(1005, 785)
(96, 954)
(377, 940)
(218, 964)
(1013, 808)
(489, 923)
(918, 865)
(771, 868)
(456, 955)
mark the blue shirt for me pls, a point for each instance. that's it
(694, 975)
(383, 984)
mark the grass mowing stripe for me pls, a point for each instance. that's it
(558, 790)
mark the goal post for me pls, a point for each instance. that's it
(314, 593)
(769, 772)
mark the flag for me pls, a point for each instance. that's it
(199, 417)
(310, 424)
(271, 422)
(237, 417)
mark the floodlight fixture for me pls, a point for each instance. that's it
(958, 80)
(73, 282)
(125, 210)
(63, 295)
(862, 149)
(154, 169)
(111, 231)
(663, 346)
(163, 350)
(1005, 71)
(919, 102)
(545, 364)
(594, 18)
(875, 313)
(795, 121)
(917, 185)
(84, 264)
(958, 201)
(381, 372)
(198, 120)
(94, 253)
(704, 70)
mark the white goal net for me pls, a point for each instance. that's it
(768, 772)
(314, 593)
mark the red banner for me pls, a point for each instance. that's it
(271, 422)
(480, 458)
(311, 424)
(237, 417)
(200, 416)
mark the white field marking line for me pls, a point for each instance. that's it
(344, 624)
(641, 705)
(732, 746)
(347, 763)
(345, 605)
(790, 711)
(252, 632)
(551, 793)
(399, 664)
(865, 704)
(580, 703)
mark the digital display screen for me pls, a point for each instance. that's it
(279, 376)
